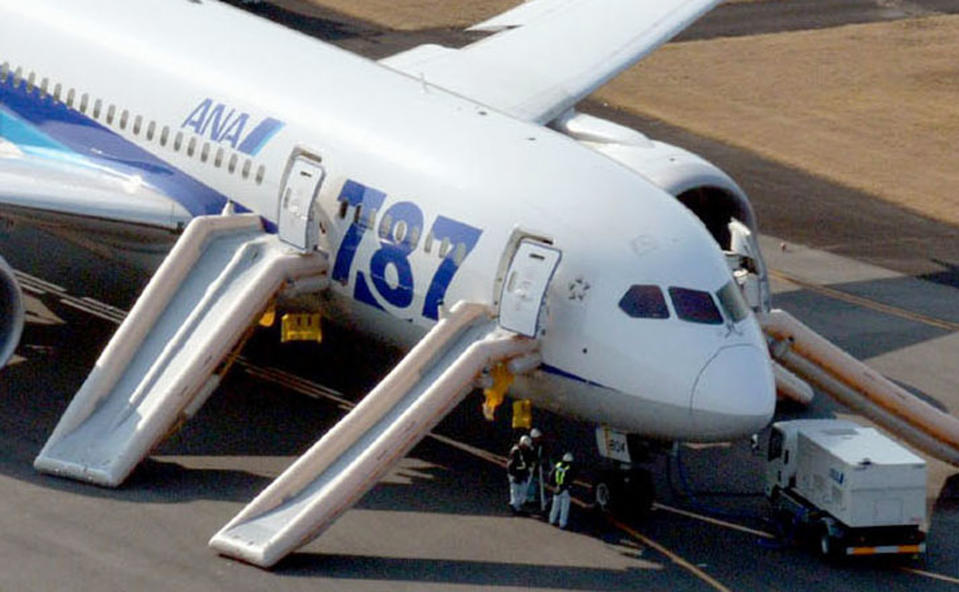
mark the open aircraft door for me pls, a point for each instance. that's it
(524, 288)
(297, 209)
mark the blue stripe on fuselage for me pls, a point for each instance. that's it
(14, 130)
(34, 118)
(260, 135)
(564, 374)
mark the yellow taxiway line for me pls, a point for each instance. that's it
(865, 302)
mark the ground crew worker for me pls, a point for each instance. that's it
(562, 479)
(518, 470)
(540, 468)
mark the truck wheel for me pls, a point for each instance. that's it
(603, 496)
(826, 545)
(830, 546)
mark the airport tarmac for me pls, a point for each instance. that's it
(439, 520)
(879, 281)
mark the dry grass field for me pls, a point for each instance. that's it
(874, 107)
(414, 15)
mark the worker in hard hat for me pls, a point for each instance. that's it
(518, 470)
(561, 478)
(539, 470)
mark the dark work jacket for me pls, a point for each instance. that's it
(518, 465)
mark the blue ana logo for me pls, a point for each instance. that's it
(836, 476)
(225, 125)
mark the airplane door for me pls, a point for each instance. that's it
(297, 215)
(525, 286)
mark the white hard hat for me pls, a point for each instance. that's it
(535, 433)
(568, 457)
(525, 441)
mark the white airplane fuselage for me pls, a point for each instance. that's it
(423, 197)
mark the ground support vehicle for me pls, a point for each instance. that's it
(849, 487)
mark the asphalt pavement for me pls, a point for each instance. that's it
(440, 521)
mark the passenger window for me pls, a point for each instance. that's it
(385, 224)
(644, 302)
(399, 232)
(695, 306)
(733, 303)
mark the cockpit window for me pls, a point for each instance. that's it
(695, 306)
(644, 302)
(733, 303)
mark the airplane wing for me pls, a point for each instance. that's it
(45, 189)
(547, 55)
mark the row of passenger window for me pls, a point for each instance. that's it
(408, 237)
(112, 116)
(695, 306)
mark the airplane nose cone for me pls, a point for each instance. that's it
(735, 394)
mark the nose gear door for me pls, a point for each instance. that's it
(524, 289)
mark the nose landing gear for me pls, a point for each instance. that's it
(624, 492)
(621, 486)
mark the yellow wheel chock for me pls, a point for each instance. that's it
(522, 414)
(301, 327)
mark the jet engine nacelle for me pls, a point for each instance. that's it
(700, 185)
(11, 312)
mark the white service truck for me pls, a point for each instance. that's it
(855, 490)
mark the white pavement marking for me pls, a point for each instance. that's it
(716, 521)
(30, 280)
(929, 574)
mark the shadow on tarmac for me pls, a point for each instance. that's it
(477, 573)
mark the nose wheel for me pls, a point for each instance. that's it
(624, 493)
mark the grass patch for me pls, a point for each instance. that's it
(874, 107)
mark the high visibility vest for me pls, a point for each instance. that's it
(560, 474)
